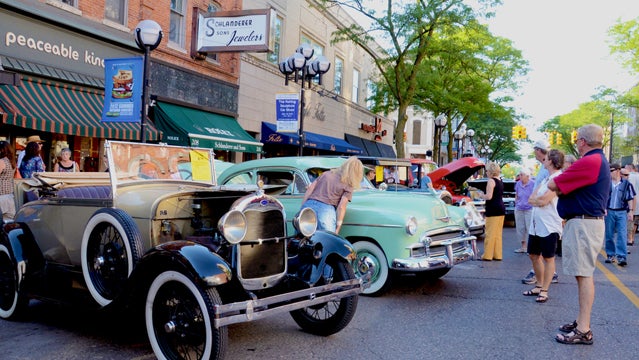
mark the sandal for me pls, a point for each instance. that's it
(575, 337)
(568, 327)
(532, 291)
(541, 298)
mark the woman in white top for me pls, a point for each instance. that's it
(545, 228)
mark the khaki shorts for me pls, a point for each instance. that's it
(582, 240)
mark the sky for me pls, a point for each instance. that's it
(566, 45)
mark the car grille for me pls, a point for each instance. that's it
(263, 250)
(438, 238)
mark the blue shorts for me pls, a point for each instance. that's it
(326, 214)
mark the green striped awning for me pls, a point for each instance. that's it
(61, 108)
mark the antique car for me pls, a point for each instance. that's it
(409, 173)
(391, 232)
(157, 237)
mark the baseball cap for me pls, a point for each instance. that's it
(615, 166)
(542, 144)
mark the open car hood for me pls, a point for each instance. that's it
(509, 185)
(454, 174)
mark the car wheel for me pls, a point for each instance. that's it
(332, 316)
(111, 246)
(13, 305)
(378, 267)
(179, 319)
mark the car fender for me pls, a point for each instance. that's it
(330, 244)
(207, 267)
(21, 245)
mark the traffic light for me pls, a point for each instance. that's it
(551, 139)
(523, 132)
(558, 138)
(516, 132)
(573, 137)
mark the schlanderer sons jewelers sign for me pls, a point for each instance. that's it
(222, 31)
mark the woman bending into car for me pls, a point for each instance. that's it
(329, 195)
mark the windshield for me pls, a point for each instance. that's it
(314, 173)
(141, 162)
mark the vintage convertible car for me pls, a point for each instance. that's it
(389, 231)
(154, 234)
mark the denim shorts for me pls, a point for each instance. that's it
(326, 214)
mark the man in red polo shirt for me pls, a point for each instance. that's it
(583, 191)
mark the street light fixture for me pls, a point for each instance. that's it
(459, 136)
(148, 35)
(300, 66)
(470, 133)
(440, 123)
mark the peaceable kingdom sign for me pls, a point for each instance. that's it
(246, 30)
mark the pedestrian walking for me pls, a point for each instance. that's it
(619, 212)
(495, 212)
(546, 228)
(583, 191)
(523, 210)
(32, 161)
(633, 178)
(7, 174)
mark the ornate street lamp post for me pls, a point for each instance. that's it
(148, 35)
(440, 123)
(470, 133)
(299, 64)
(459, 136)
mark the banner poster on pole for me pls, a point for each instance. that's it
(287, 107)
(123, 89)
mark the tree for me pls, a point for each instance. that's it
(465, 68)
(409, 31)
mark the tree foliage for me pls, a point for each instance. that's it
(438, 58)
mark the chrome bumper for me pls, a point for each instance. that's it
(449, 259)
(250, 310)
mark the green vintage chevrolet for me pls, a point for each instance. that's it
(390, 231)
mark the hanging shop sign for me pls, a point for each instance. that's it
(123, 89)
(223, 31)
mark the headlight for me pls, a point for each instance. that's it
(411, 226)
(233, 226)
(305, 222)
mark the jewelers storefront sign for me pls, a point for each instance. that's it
(246, 30)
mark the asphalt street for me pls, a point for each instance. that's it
(474, 312)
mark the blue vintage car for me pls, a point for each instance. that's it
(390, 231)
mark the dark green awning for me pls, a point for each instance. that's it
(184, 126)
(62, 108)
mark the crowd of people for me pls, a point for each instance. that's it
(573, 208)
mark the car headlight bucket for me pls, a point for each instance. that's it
(305, 222)
(233, 226)
(411, 226)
